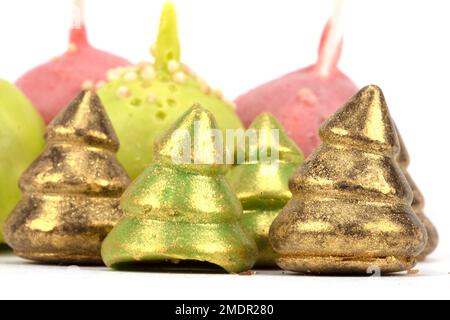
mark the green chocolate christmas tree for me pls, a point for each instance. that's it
(263, 187)
(182, 211)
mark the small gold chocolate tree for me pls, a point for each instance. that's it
(261, 186)
(71, 192)
(351, 208)
(418, 204)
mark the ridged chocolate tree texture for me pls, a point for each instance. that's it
(71, 192)
(351, 208)
(262, 184)
(418, 204)
(181, 213)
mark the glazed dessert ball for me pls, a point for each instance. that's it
(146, 99)
(304, 99)
(53, 85)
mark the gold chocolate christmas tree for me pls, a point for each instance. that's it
(181, 211)
(71, 192)
(261, 186)
(418, 204)
(351, 208)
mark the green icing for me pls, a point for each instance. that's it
(167, 44)
(263, 189)
(145, 100)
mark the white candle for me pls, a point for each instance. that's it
(77, 13)
(333, 41)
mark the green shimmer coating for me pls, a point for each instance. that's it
(185, 212)
(21, 141)
(263, 188)
(145, 100)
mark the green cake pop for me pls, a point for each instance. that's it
(145, 100)
(21, 141)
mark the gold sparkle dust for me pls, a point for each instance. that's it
(418, 204)
(413, 272)
(71, 192)
(181, 212)
(351, 209)
(263, 188)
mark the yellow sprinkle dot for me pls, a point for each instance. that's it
(188, 70)
(73, 47)
(206, 88)
(173, 66)
(143, 64)
(152, 97)
(148, 73)
(123, 92)
(179, 77)
(121, 70)
(113, 74)
(130, 76)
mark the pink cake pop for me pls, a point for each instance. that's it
(303, 99)
(53, 85)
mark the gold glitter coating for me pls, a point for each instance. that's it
(71, 192)
(182, 212)
(351, 207)
(418, 204)
(263, 187)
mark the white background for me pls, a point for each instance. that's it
(402, 45)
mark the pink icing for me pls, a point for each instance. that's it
(53, 85)
(303, 99)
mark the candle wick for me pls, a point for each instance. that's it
(332, 40)
(77, 14)
(78, 35)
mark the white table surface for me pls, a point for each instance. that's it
(20, 279)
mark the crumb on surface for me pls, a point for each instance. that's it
(247, 273)
(413, 271)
